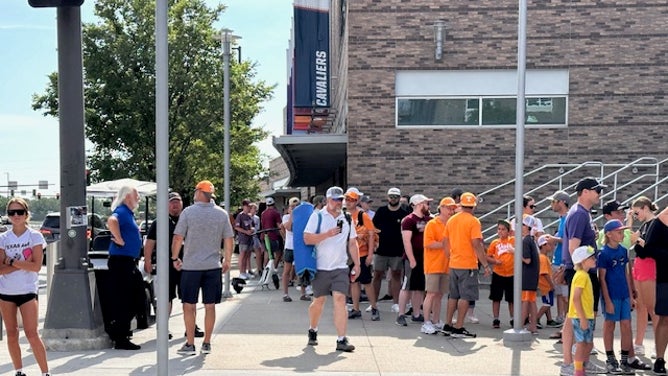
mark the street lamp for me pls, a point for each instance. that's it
(226, 38)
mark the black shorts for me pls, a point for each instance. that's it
(174, 281)
(19, 300)
(661, 305)
(289, 255)
(365, 272)
(501, 286)
(210, 281)
(413, 278)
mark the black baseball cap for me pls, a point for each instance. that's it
(590, 184)
(612, 206)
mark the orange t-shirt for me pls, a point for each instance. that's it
(363, 229)
(460, 230)
(434, 258)
(502, 249)
(545, 271)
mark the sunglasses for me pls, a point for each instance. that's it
(532, 206)
(12, 212)
(340, 199)
(597, 189)
(349, 199)
(394, 197)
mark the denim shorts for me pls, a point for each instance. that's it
(586, 336)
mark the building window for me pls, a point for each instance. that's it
(495, 111)
(479, 98)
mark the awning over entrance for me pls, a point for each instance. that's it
(313, 158)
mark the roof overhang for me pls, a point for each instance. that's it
(312, 158)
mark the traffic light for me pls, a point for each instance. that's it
(54, 3)
(34, 192)
(39, 196)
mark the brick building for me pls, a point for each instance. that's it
(400, 116)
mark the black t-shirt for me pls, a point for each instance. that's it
(531, 270)
(388, 222)
(656, 246)
(153, 234)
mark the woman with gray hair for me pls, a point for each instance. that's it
(124, 248)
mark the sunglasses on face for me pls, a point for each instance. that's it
(532, 206)
(393, 197)
(340, 199)
(597, 189)
(348, 199)
(12, 212)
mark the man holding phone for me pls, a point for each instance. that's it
(329, 230)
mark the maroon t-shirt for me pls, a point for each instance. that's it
(271, 219)
(416, 226)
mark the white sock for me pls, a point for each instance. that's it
(340, 338)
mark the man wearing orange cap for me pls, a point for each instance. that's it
(436, 265)
(366, 246)
(206, 226)
(464, 247)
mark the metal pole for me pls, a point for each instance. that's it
(226, 40)
(162, 180)
(517, 334)
(73, 318)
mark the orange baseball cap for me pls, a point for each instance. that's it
(468, 200)
(447, 201)
(205, 186)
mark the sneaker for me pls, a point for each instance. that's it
(243, 276)
(626, 369)
(447, 328)
(126, 345)
(419, 318)
(198, 332)
(19, 373)
(355, 313)
(639, 349)
(428, 328)
(206, 348)
(613, 367)
(312, 337)
(375, 315)
(344, 345)
(187, 349)
(460, 333)
(496, 324)
(472, 319)
(593, 369)
(439, 325)
(287, 299)
(309, 290)
(395, 308)
(409, 312)
(368, 309)
(566, 370)
(305, 298)
(554, 324)
(386, 297)
(659, 367)
(639, 365)
(401, 320)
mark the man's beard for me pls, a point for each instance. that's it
(425, 212)
(393, 204)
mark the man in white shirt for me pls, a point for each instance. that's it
(334, 237)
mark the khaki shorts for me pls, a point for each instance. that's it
(382, 263)
(437, 283)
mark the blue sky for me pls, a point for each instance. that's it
(28, 55)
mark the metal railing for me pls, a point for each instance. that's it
(572, 173)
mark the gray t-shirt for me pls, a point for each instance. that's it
(203, 226)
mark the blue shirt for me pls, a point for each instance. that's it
(556, 257)
(129, 232)
(614, 261)
(578, 225)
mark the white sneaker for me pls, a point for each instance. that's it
(309, 290)
(368, 309)
(472, 319)
(243, 276)
(566, 370)
(639, 349)
(428, 328)
(395, 308)
(439, 325)
(593, 369)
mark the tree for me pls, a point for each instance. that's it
(119, 84)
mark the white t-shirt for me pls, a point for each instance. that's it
(20, 282)
(289, 244)
(331, 253)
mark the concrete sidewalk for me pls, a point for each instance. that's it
(257, 333)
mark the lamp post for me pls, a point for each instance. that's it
(7, 173)
(226, 37)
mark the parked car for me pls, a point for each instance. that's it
(51, 226)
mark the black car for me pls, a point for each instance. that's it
(51, 226)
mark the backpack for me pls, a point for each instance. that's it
(363, 234)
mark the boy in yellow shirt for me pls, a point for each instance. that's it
(581, 306)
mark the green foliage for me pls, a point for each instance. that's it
(119, 64)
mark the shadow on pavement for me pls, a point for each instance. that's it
(308, 361)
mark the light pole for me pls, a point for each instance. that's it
(226, 37)
(7, 173)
